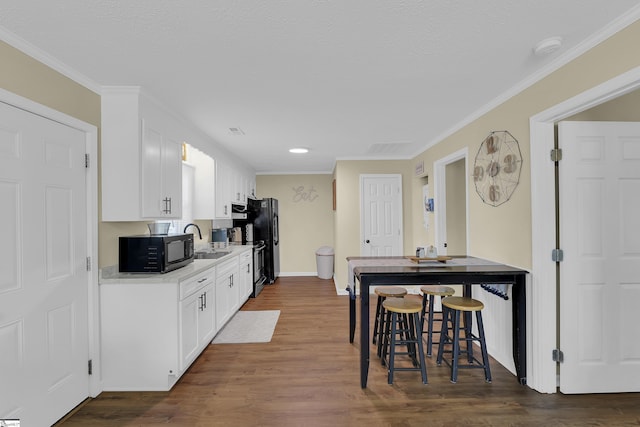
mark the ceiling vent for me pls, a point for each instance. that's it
(236, 131)
(389, 148)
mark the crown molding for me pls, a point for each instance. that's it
(48, 60)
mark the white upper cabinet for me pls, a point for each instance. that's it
(141, 158)
(224, 190)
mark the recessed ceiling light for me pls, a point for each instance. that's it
(299, 150)
(547, 46)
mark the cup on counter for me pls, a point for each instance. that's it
(431, 252)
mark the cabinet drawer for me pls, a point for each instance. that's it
(194, 283)
(245, 257)
(227, 268)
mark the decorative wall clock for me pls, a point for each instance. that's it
(496, 171)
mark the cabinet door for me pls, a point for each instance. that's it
(161, 172)
(246, 276)
(227, 294)
(222, 302)
(234, 292)
(189, 340)
(172, 175)
(223, 191)
(206, 315)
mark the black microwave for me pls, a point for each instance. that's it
(154, 253)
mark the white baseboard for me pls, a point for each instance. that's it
(292, 274)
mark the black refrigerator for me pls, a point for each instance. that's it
(265, 227)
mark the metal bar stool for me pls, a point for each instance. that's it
(403, 327)
(383, 293)
(429, 292)
(452, 307)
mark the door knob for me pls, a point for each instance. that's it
(366, 241)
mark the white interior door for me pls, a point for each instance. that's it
(44, 282)
(381, 215)
(600, 275)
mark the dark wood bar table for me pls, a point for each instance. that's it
(460, 270)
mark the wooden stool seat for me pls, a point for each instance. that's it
(402, 327)
(463, 303)
(402, 305)
(429, 292)
(390, 291)
(452, 308)
(437, 290)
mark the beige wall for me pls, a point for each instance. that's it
(30, 79)
(623, 109)
(306, 217)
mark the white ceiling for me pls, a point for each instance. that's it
(348, 79)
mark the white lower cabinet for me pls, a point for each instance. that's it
(227, 291)
(152, 332)
(152, 328)
(246, 276)
(197, 320)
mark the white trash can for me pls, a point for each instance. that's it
(324, 261)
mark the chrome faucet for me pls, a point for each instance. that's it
(197, 228)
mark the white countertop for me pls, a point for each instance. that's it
(111, 275)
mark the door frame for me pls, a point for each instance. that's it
(440, 197)
(541, 294)
(398, 178)
(91, 147)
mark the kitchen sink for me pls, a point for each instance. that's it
(210, 255)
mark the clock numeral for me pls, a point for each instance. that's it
(493, 169)
(494, 193)
(478, 173)
(510, 163)
(492, 144)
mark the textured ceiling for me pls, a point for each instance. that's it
(349, 79)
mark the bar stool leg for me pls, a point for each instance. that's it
(392, 349)
(385, 338)
(444, 334)
(423, 368)
(468, 331)
(398, 337)
(414, 320)
(456, 345)
(430, 325)
(483, 348)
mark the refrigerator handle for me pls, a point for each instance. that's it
(276, 238)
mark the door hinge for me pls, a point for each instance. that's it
(88, 263)
(557, 255)
(90, 367)
(557, 355)
(87, 160)
(556, 154)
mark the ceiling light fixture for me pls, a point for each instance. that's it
(299, 150)
(547, 46)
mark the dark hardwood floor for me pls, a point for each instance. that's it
(308, 375)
